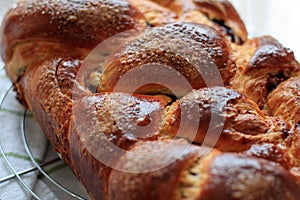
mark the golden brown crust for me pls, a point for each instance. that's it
(237, 122)
(189, 49)
(76, 23)
(294, 150)
(59, 28)
(216, 13)
(122, 117)
(90, 172)
(103, 123)
(23, 58)
(236, 176)
(284, 101)
(47, 90)
(222, 11)
(155, 14)
(274, 152)
(155, 184)
(262, 64)
(241, 177)
(219, 14)
(163, 2)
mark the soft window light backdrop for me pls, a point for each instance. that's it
(279, 18)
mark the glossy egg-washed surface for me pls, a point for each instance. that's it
(253, 113)
(191, 49)
(78, 23)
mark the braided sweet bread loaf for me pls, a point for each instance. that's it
(216, 118)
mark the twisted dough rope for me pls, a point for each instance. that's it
(60, 34)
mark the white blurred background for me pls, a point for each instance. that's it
(279, 18)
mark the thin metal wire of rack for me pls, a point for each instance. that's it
(26, 171)
(10, 166)
(36, 166)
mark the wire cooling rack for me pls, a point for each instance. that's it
(37, 167)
